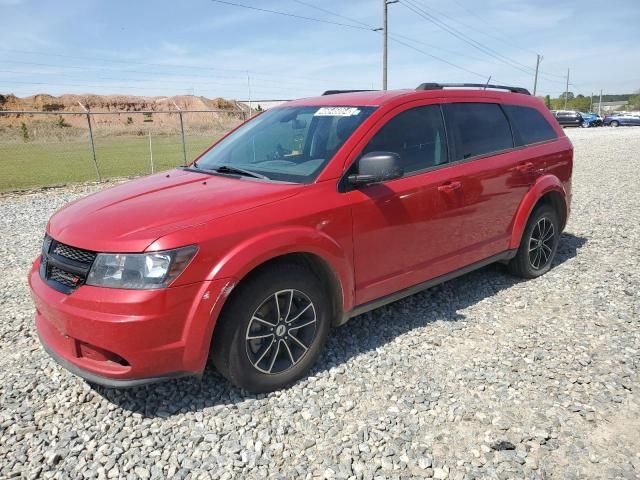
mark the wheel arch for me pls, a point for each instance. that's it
(311, 248)
(547, 190)
(316, 265)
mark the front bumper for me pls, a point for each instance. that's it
(123, 338)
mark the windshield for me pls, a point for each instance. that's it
(291, 144)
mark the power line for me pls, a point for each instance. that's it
(398, 39)
(474, 43)
(461, 36)
(404, 37)
(147, 74)
(300, 17)
(493, 35)
(160, 65)
(354, 20)
(114, 86)
(163, 81)
(437, 58)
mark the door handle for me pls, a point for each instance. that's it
(450, 187)
(526, 167)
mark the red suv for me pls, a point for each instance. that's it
(306, 215)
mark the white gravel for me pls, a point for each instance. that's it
(483, 377)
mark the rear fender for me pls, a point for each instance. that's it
(544, 185)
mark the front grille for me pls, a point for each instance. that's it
(82, 256)
(64, 267)
(65, 278)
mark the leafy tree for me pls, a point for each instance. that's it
(581, 103)
(61, 122)
(547, 101)
(24, 131)
(570, 96)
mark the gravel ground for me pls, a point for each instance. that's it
(483, 377)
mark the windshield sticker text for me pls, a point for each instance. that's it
(337, 112)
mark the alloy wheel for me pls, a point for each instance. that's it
(541, 243)
(281, 331)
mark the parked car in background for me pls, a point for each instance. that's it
(622, 119)
(591, 120)
(308, 214)
(568, 118)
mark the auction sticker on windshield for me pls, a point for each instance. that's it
(337, 112)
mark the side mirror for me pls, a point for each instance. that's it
(376, 167)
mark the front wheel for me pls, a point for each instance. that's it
(615, 123)
(538, 245)
(273, 329)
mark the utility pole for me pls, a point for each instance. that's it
(249, 88)
(385, 31)
(566, 92)
(600, 104)
(184, 145)
(535, 81)
(93, 145)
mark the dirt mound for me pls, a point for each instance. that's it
(112, 103)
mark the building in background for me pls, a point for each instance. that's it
(610, 106)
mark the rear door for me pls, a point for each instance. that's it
(494, 175)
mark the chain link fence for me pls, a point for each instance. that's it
(52, 148)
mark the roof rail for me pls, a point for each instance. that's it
(336, 92)
(484, 86)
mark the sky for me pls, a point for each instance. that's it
(214, 49)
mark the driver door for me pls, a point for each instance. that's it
(401, 227)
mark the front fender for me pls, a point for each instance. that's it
(543, 185)
(249, 254)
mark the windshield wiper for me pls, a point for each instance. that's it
(239, 171)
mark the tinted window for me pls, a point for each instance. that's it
(477, 129)
(417, 135)
(529, 125)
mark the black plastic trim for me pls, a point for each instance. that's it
(483, 86)
(337, 92)
(380, 302)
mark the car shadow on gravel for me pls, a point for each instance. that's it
(361, 334)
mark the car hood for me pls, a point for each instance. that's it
(131, 216)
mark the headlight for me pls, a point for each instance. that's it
(139, 271)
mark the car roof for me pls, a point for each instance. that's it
(377, 98)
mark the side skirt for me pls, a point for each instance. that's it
(394, 297)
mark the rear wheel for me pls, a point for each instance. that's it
(538, 245)
(273, 329)
(585, 124)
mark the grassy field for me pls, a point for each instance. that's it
(31, 164)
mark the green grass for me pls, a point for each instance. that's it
(27, 165)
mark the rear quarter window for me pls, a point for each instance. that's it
(529, 125)
(476, 129)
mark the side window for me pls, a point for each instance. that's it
(417, 135)
(529, 125)
(477, 129)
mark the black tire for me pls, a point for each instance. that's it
(239, 351)
(615, 123)
(532, 264)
